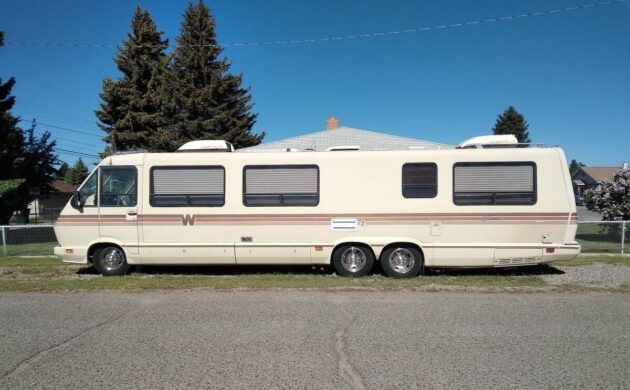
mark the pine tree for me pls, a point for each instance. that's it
(77, 173)
(209, 102)
(62, 171)
(26, 162)
(511, 122)
(132, 109)
(11, 144)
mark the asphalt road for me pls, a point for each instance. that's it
(285, 339)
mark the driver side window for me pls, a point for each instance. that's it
(118, 186)
(88, 191)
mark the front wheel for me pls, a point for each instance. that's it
(110, 261)
(402, 262)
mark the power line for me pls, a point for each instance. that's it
(70, 140)
(66, 151)
(64, 128)
(31, 114)
(21, 101)
(340, 37)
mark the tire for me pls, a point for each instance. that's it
(353, 260)
(110, 261)
(402, 261)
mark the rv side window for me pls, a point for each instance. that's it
(187, 186)
(281, 185)
(505, 183)
(118, 186)
(419, 180)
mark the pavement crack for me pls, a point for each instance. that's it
(37, 356)
(346, 369)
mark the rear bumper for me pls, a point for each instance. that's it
(561, 252)
(72, 254)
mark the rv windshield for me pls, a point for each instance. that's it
(88, 191)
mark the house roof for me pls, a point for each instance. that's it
(346, 136)
(600, 174)
(63, 187)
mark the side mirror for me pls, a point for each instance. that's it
(76, 201)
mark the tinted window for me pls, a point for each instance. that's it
(281, 185)
(510, 183)
(187, 186)
(118, 186)
(419, 180)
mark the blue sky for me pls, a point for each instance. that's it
(567, 72)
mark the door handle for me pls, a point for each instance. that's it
(132, 212)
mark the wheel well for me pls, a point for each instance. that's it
(403, 244)
(100, 245)
(361, 244)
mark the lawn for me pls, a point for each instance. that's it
(50, 274)
(600, 238)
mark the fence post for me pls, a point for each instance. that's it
(4, 241)
(623, 236)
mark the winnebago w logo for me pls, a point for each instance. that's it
(188, 219)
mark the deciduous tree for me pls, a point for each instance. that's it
(574, 166)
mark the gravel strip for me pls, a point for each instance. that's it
(598, 274)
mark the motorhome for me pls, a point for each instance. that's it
(490, 202)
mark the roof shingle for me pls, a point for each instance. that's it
(346, 136)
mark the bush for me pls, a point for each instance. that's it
(611, 200)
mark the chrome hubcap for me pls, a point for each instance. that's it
(112, 259)
(353, 259)
(402, 260)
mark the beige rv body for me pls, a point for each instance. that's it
(360, 201)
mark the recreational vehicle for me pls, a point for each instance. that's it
(490, 202)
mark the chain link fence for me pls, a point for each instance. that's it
(604, 236)
(28, 240)
(39, 240)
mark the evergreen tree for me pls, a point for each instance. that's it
(511, 122)
(574, 166)
(26, 162)
(11, 143)
(131, 111)
(62, 171)
(77, 173)
(208, 101)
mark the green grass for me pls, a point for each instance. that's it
(592, 259)
(596, 238)
(50, 274)
(31, 249)
(264, 282)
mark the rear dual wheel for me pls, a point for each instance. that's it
(402, 261)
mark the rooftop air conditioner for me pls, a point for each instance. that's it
(206, 146)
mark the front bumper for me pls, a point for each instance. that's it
(72, 254)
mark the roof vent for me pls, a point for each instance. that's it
(342, 148)
(206, 146)
(489, 140)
